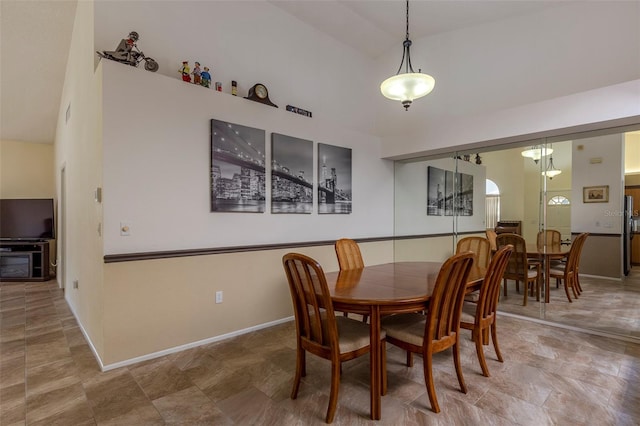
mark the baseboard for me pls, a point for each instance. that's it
(601, 277)
(175, 349)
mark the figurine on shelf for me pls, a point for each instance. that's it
(128, 53)
(197, 73)
(185, 71)
(206, 77)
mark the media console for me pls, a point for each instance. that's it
(24, 261)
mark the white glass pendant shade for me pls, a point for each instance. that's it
(407, 87)
(551, 171)
(536, 153)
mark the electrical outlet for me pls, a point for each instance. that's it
(75, 283)
(218, 297)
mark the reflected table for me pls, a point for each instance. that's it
(546, 254)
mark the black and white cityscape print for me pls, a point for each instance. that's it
(334, 179)
(237, 168)
(291, 175)
(449, 193)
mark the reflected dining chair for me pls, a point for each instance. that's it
(479, 246)
(491, 236)
(568, 273)
(480, 317)
(481, 249)
(439, 329)
(551, 237)
(349, 257)
(519, 268)
(318, 330)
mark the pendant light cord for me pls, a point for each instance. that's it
(405, 52)
(407, 19)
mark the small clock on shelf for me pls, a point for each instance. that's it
(259, 93)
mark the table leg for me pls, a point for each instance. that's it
(375, 363)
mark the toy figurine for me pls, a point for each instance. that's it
(128, 53)
(206, 77)
(185, 71)
(197, 74)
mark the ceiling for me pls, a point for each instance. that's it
(35, 37)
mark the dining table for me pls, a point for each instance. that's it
(391, 288)
(546, 253)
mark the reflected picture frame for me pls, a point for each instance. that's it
(595, 194)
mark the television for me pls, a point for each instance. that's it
(26, 219)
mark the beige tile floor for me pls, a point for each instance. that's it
(48, 376)
(616, 305)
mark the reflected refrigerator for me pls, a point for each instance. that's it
(627, 233)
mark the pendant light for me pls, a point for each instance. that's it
(409, 85)
(551, 169)
(536, 153)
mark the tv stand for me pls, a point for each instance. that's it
(24, 261)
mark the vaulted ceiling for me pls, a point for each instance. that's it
(35, 38)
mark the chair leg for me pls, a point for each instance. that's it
(335, 387)
(477, 337)
(494, 338)
(505, 287)
(428, 380)
(526, 292)
(577, 283)
(300, 371)
(456, 362)
(409, 359)
(573, 286)
(566, 290)
(365, 318)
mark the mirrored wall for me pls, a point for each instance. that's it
(572, 184)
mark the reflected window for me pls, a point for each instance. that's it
(492, 205)
(559, 200)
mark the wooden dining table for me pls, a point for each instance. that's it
(546, 253)
(389, 288)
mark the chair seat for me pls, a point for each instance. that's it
(468, 313)
(353, 334)
(556, 271)
(406, 327)
(472, 297)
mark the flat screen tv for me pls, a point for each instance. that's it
(26, 219)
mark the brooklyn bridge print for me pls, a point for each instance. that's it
(291, 174)
(237, 168)
(334, 179)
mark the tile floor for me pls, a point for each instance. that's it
(48, 376)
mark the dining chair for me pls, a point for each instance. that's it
(439, 329)
(568, 273)
(319, 331)
(480, 317)
(349, 257)
(551, 237)
(479, 246)
(491, 236)
(519, 268)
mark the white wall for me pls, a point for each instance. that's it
(157, 165)
(604, 218)
(411, 199)
(250, 42)
(510, 77)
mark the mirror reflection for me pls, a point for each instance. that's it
(571, 202)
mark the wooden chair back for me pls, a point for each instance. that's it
(517, 267)
(445, 305)
(552, 237)
(479, 246)
(491, 236)
(349, 256)
(487, 304)
(573, 260)
(315, 319)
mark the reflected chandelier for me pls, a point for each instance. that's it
(536, 153)
(551, 170)
(409, 85)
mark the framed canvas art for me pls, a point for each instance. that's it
(334, 179)
(291, 174)
(237, 168)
